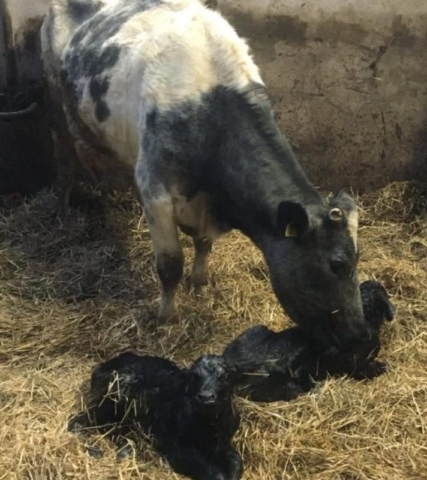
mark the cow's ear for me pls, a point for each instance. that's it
(292, 219)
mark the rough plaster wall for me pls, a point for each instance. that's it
(2, 49)
(26, 17)
(348, 80)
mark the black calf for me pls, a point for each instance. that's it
(188, 412)
(280, 366)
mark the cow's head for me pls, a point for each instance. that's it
(313, 266)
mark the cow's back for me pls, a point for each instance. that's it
(121, 59)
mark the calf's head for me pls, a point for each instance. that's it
(210, 381)
(312, 260)
(376, 304)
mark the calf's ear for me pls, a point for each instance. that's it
(292, 219)
(233, 371)
(389, 311)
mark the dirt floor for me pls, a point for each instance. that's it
(71, 296)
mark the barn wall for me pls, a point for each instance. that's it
(347, 79)
(25, 20)
(2, 48)
(25, 149)
(349, 82)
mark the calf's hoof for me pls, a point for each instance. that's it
(125, 452)
(94, 452)
(77, 423)
(375, 369)
(371, 370)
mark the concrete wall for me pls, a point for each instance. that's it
(347, 79)
(25, 18)
(349, 82)
(25, 150)
(2, 48)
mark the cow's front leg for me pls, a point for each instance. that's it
(169, 267)
(200, 270)
(167, 249)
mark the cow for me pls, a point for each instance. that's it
(168, 88)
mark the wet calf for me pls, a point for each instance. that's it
(280, 366)
(188, 412)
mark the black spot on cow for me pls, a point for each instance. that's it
(105, 61)
(81, 10)
(98, 88)
(102, 111)
(193, 131)
(89, 56)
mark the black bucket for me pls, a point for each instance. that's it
(25, 152)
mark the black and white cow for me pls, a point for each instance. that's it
(168, 88)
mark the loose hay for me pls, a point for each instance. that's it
(76, 294)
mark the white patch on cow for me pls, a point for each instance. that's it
(353, 225)
(186, 50)
(195, 214)
(170, 54)
(163, 229)
(168, 211)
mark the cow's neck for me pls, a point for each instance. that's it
(258, 169)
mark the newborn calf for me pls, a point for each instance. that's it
(188, 412)
(280, 366)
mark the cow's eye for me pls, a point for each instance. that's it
(338, 266)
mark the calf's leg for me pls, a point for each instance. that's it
(191, 462)
(272, 388)
(369, 370)
(231, 462)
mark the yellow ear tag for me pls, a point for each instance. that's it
(291, 231)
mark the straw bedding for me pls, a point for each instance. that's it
(72, 295)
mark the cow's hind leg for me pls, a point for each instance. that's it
(66, 161)
(64, 151)
(167, 249)
(200, 272)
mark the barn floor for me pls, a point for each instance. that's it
(71, 296)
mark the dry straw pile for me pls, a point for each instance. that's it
(75, 295)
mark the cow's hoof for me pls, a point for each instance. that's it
(165, 315)
(198, 284)
(199, 279)
(62, 211)
(197, 291)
